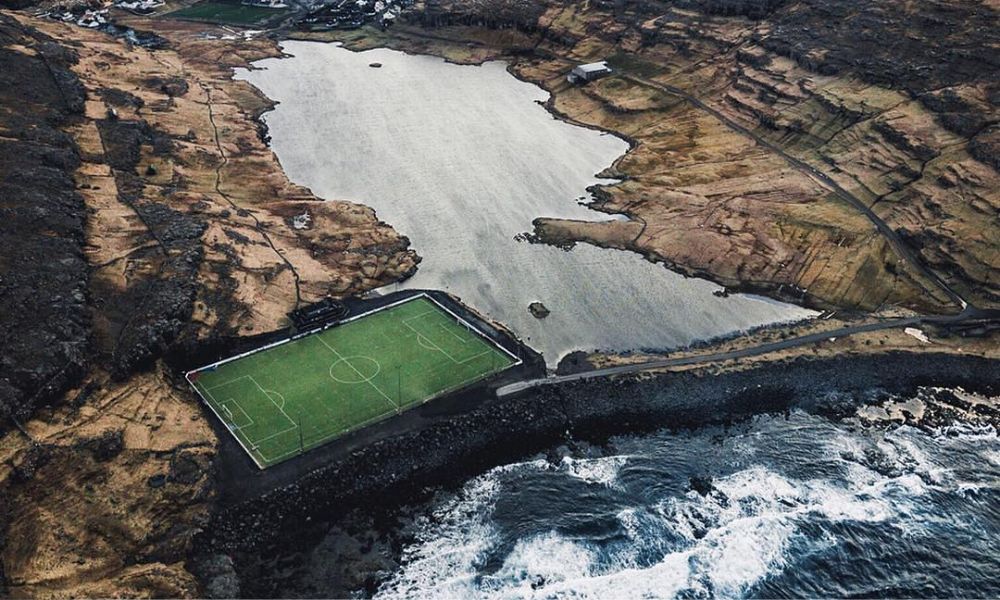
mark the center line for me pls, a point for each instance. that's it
(358, 372)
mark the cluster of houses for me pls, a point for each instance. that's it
(94, 15)
(351, 14)
(84, 15)
(265, 3)
(139, 7)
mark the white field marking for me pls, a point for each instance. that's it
(422, 341)
(202, 391)
(421, 315)
(453, 334)
(279, 394)
(378, 369)
(303, 334)
(379, 417)
(468, 325)
(457, 386)
(257, 443)
(232, 417)
(281, 409)
(326, 326)
(388, 399)
(438, 348)
(335, 434)
(236, 434)
(231, 381)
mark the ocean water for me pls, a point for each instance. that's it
(462, 159)
(778, 506)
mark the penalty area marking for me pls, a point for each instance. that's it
(232, 417)
(278, 394)
(422, 341)
(421, 336)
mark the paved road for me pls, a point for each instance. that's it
(890, 234)
(970, 314)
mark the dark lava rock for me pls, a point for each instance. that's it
(538, 310)
(116, 97)
(104, 447)
(755, 9)
(186, 468)
(985, 147)
(913, 47)
(44, 317)
(574, 362)
(31, 461)
(217, 575)
(146, 319)
(702, 485)
(171, 86)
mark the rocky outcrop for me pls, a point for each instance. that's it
(899, 45)
(155, 308)
(44, 317)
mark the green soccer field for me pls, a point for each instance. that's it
(286, 399)
(229, 13)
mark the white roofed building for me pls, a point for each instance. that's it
(589, 72)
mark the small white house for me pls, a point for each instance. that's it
(589, 72)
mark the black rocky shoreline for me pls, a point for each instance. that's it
(244, 542)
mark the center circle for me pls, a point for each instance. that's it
(355, 369)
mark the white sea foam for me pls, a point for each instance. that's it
(746, 529)
(453, 540)
(541, 561)
(603, 471)
(915, 458)
(720, 544)
(964, 432)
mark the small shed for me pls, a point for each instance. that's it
(589, 72)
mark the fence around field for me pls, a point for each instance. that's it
(256, 447)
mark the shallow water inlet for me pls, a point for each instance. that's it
(462, 159)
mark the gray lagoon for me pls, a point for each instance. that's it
(461, 159)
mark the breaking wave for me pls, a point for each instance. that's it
(632, 524)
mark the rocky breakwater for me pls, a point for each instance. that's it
(282, 523)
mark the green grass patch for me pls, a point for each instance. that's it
(631, 64)
(230, 13)
(294, 396)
